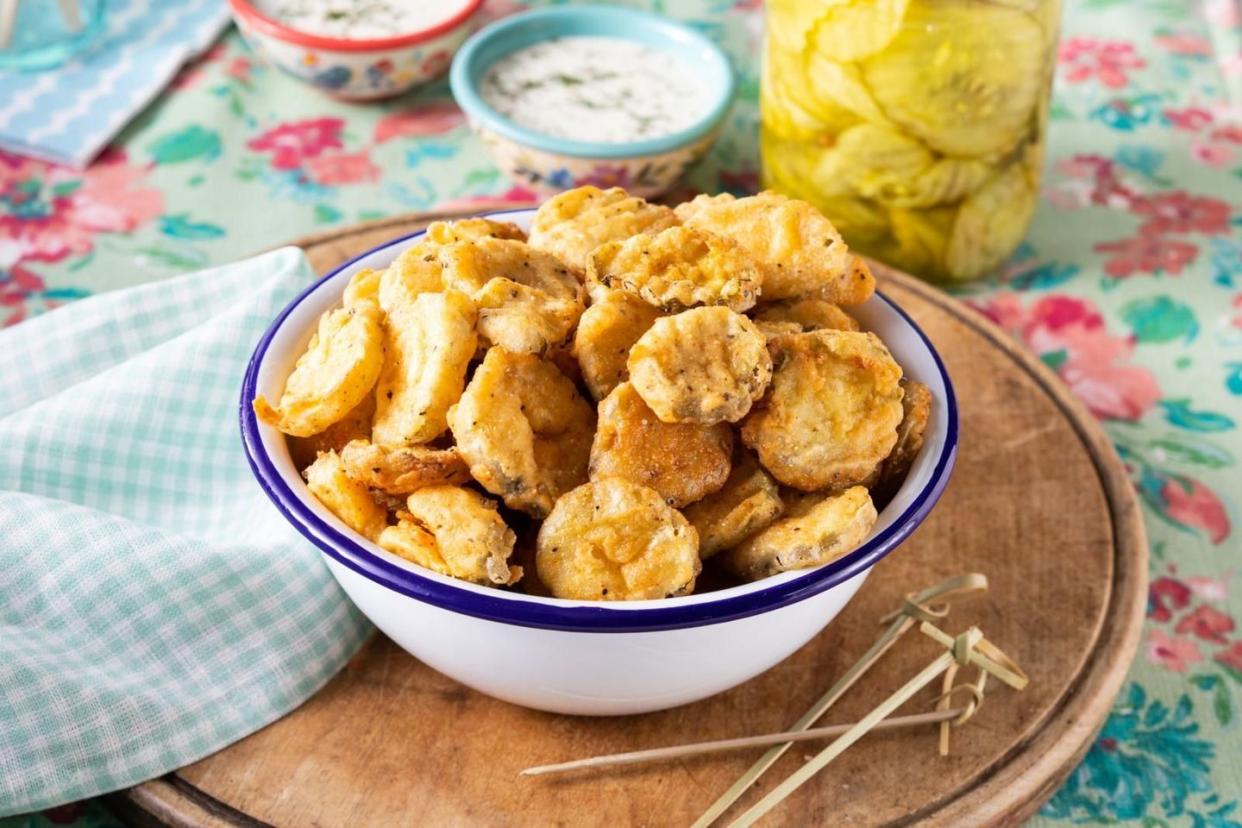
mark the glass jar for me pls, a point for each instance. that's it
(917, 126)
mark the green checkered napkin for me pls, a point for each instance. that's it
(154, 606)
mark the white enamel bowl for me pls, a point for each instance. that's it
(575, 656)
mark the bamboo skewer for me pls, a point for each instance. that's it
(698, 748)
(900, 622)
(968, 648)
(817, 763)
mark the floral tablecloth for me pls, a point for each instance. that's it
(1129, 286)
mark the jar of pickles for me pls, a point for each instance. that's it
(916, 126)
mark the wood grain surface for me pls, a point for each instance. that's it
(1039, 503)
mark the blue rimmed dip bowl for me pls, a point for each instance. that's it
(587, 657)
(549, 163)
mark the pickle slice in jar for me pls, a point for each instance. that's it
(962, 76)
(873, 161)
(858, 28)
(789, 22)
(991, 223)
(945, 181)
(788, 165)
(842, 86)
(921, 238)
(789, 105)
(894, 169)
(859, 220)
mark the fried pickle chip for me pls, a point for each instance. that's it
(469, 229)
(606, 332)
(807, 314)
(772, 329)
(429, 340)
(524, 430)
(678, 268)
(572, 224)
(748, 502)
(399, 470)
(562, 356)
(456, 532)
(613, 540)
(797, 250)
(916, 406)
(345, 497)
(363, 287)
(815, 531)
(528, 301)
(683, 462)
(337, 370)
(356, 425)
(704, 365)
(418, 269)
(831, 416)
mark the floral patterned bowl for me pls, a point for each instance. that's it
(356, 69)
(547, 163)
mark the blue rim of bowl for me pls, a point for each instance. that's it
(532, 611)
(463, 77)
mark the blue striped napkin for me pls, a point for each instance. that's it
(67, 115)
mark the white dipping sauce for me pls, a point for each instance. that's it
(603, 89)
(361, 19)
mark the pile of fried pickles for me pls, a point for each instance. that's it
(628, 393)
(917, 126)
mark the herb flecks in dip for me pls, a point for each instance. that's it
(361, 19)
(602, 89)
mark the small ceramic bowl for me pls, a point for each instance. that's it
(547, 163)
(356, 69)
(586, 657)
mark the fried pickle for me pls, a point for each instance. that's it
(831, 415)
(748, 502)
(809, 313)
(916, 406)
(606, 332)
(678, 268)
(524, 430)
(418, 269)
(456, 532)
(400, 470)
(704, 365)
(356, 425)
(572, 224)
(613, 540)
(337, 370)
(683, 462)
(814, 531)
(528, 301)
(429, 340)
(797, 250)
(345, 497)
(363, 287)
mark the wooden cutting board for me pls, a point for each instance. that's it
(1039, 503)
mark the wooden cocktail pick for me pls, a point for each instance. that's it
(969, 648)
(942, 716)
(930, 604)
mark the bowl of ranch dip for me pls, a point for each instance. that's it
(357, 50)
(593, 95)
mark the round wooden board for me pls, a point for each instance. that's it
(1039, 503)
